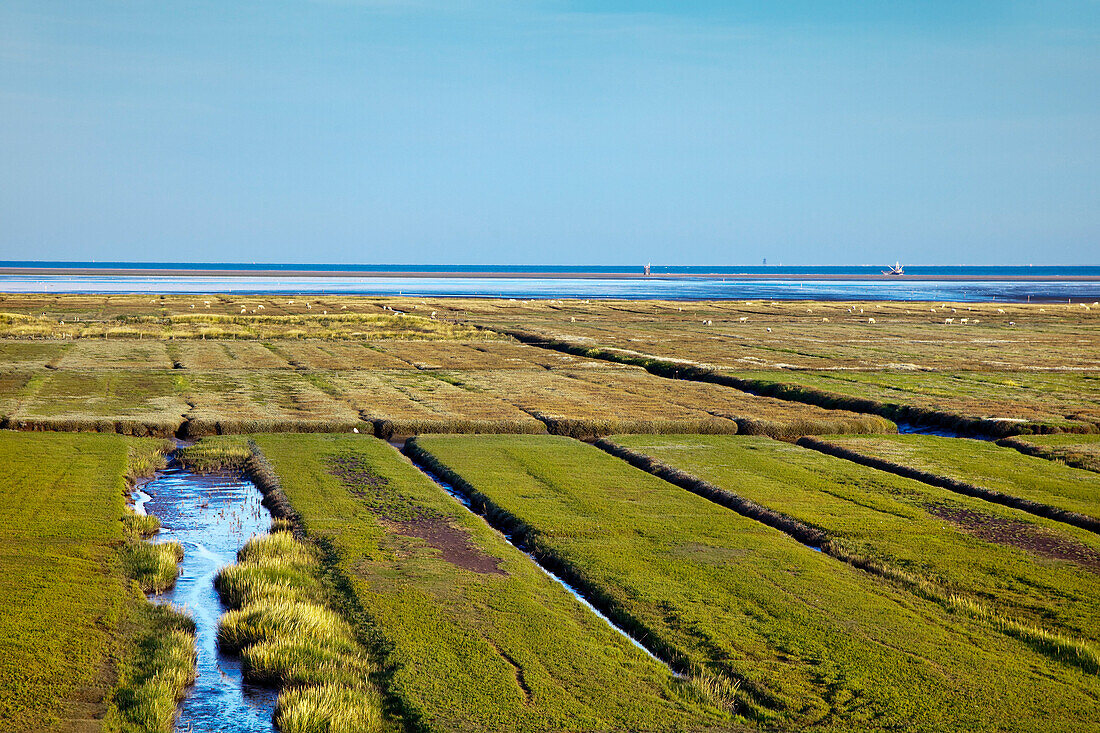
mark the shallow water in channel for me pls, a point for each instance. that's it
(212, 516)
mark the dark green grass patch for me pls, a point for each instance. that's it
(815, 642)
(1014, 564)
(472, 635)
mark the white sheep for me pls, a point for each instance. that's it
(870, 320)
(769, 329)
(948, 320)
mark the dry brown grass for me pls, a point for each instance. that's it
(573, 406)
(225, 355)
(337, 356)
(239, 402)
(753, 415)
(406, 402)
(120, 354)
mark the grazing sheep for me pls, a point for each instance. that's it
(571, 318)
(870, 320)
(1000, 310)
(260, 307)
(824, 320)
(433, 315)
(964, 320)
(769, 330)
(948, 320)
(355, 430)
(1012, 323)
(743, 319)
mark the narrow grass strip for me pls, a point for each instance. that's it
(959, 487)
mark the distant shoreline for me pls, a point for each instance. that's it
(786, 276)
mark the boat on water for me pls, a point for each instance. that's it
(897, 269)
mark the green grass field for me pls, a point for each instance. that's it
(818, 644)
(987, 466)
(1034, 569)
(68, 614)
(473, 635)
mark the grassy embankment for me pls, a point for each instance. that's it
(471, 635)
(1077, 451)
(817, 643)
(1032, 578)
(994, 473)
(81, 646)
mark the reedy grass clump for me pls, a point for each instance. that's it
(287, 636)
(207, 457)
(135, 526)
(327, 709)
(718, 690)
(240, 585)
(154, 567)
(266, 619)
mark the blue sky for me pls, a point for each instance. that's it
(556, 132)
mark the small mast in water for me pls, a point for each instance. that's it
(897, 269)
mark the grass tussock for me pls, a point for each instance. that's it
(153, 566)
(326, 709)
(715, 689)
(281, 524)
(138, 526)
(287, 636)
